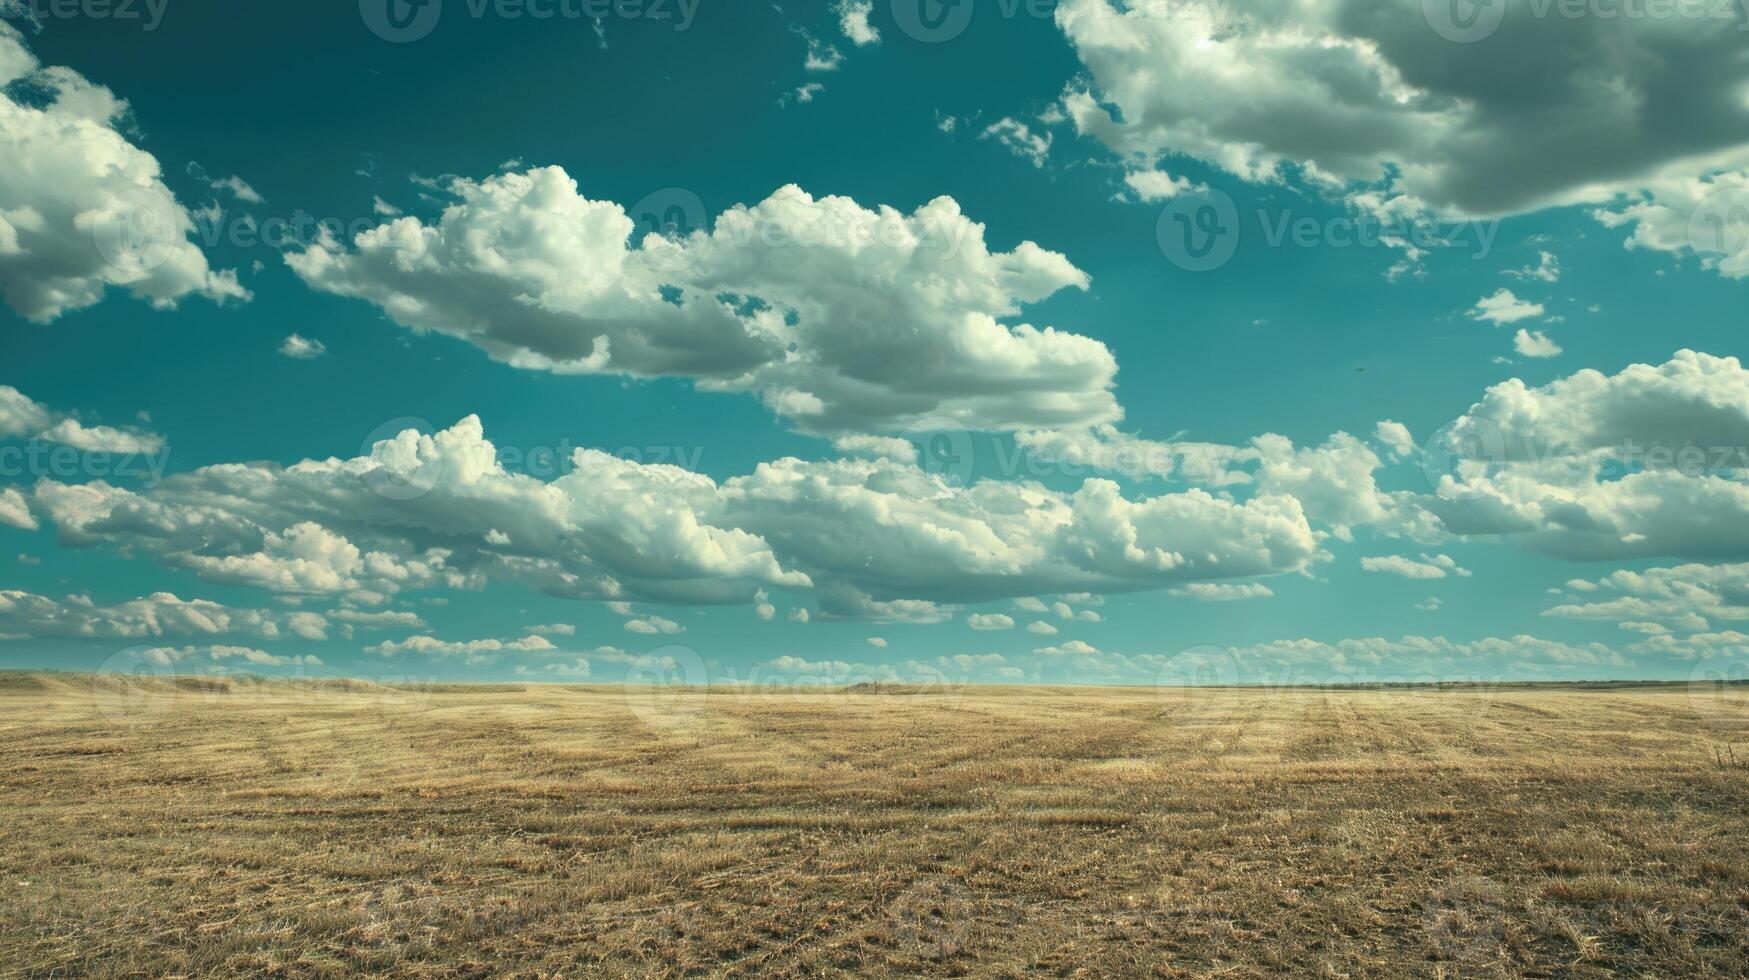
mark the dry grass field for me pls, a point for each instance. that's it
(223, 827)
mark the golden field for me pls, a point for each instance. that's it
(214, 827)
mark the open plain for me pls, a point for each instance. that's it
(206, 827)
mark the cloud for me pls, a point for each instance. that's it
(990, 621)
(83, 209)
(1547, 269)
(1535, 343)
(1697, 214)
(15, 510)
(875, 641)
(1687, 597)
(1643, 463)
(1041, 627)
(1395, 437)
(821, 56)
(23, 418)
(553, 629)
(1153, 186)
(1429, 567)
(1223, 592)
(1022, 140)
(1071, 648)
(430, 646)
(853, 21)
(24, 614)
(1410, 659)
(653, 626)
(574, 669)
(842, 319)
(1368, 99)
(166, 656)
(1503, 307)
(301, 349)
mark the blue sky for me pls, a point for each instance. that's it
(1040, 168)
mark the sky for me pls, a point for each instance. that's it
(1089, 342)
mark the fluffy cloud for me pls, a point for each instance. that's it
(990, 621)
(1396, 437)
(1535, 343)
(842, 319)
(82, 208)
(1503, 307)
(1334, 483)
(1546, 111)
(1684, 597)
(24, 614)
(431, 646)
(1223, 592)
(300, 348)
(23, 418)
(1699, 215)
(1021, 140)
(878, 539)
(653, 626)
(166, 656)
(15, 510)
(1643, 463)
(1408, 659)
(1429, 567)
(1153, 186)
(853, 21)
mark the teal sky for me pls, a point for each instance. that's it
(319, 117)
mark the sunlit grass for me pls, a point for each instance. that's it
(200, 827)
